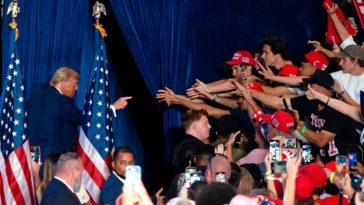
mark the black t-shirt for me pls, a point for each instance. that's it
(329, 120)
(186, 149)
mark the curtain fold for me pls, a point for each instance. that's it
(163, 50)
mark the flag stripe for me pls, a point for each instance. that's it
(8, 197)
(14, 186)
(93, 190)
(91, 169)
(92, 154)
(16, 165)
(26, 172)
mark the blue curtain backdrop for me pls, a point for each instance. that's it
(60, 33)
(174, 42)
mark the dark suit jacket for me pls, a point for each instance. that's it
(53, 120)
(112, 188)
(58, 193)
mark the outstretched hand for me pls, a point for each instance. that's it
(312, 94)
(166, 95)
(199, 89)
(265, 71)
(316, 44)
(121, 103)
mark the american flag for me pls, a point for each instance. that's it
(96, 137)
(15, 163)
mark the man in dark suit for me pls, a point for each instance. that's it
(67, 180)
(113, 187)
(53, 115)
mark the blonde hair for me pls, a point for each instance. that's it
(246, 183)
(49, 170)
(62, 74)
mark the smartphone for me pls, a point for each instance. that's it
(279, 167)
(274, 150)
(133, 174)
(306, 154)
(341, 165)
(220, 177)
(352, 159)
(198, 176)
(289, 149)
(189, 172)
(35, 153)
(290, 143)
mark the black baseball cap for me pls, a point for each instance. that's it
(321, 78)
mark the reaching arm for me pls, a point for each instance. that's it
(343, 94)
(268, 74)
(323, 50)
(290, 189)
(265, 98)
(320, 139)
(277, 91)
(214, 87)
(271, 100)
(269, 175)
(168, 96)
(349, 110)
(340, 28)
(228, 102)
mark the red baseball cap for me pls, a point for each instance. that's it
(316, 173)
(304, 187)
(255, 86)
(281, 120)
(241, 57)
(289, 71)
(317, 59)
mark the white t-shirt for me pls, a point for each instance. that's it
(351, 84)
(347, 42)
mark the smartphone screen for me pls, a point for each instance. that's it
(289, 149)
(352, 158)
(189, 172)
(306, 154)
(279, 167)
(198, 176)
(133, 174)
(274, 150)
(220, 177)
(35, 153)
